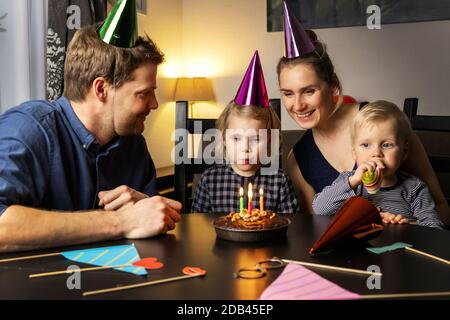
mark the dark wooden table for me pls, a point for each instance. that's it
(194, 243)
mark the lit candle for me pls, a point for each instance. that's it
(261, 200)
(250, 196)
(241, 200)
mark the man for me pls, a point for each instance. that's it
(84, 151)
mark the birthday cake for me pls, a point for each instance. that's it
(257, 220)
(241, 226)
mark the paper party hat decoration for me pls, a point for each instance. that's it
(296, 42)
(120, 27)
(252, 91)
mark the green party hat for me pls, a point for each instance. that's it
(120, 27)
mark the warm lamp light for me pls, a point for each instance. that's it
(193, 89)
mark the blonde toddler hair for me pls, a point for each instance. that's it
(379, 111)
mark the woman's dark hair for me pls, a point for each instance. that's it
(318, 60)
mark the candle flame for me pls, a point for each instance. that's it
(250, 190)
(261, 192)
(241, 192)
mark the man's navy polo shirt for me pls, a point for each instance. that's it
(49, 160)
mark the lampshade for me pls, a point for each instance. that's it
(193, 89)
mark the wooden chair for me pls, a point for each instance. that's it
(434, 132)
(184, 172)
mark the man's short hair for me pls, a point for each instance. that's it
(88, 57)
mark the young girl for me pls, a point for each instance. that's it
(241, 124)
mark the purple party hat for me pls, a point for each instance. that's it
(297, 43)
(252, 91)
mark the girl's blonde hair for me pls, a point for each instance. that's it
(378, 111)
(248, 112)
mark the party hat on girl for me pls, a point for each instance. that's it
(252, 91)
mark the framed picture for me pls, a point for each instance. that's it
(1, 18)
(316, 14)
(141, 6)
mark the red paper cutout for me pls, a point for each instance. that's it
(149, 263)
(190, 271)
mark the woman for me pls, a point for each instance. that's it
(308, 84)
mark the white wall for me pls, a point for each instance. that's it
(217, 39)
(398, 61)
(163, 23)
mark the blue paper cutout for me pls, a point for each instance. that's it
(109, 256)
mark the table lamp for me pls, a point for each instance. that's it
(193, 90)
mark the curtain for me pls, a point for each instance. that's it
(22, 51)
(33, 39)
(65, 17)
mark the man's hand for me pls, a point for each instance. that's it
(119, 198)
(388, 217)
(149, 217)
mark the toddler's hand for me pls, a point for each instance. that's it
(388, 217)
(356, 179)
